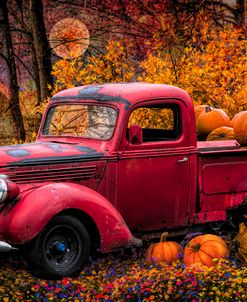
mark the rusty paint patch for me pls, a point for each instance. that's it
(104, 98)
(85, 149)
(56, 147)
(49, 160)
(18, 152)
(92, 89)
(84, 95)
(60, 148)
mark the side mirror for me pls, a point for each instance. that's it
(135, 134)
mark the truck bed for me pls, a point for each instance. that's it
(222, 177)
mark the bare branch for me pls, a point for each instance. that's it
(4, 57)
(24, 65)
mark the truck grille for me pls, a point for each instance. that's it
(51, 174)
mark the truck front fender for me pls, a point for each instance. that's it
(34, 210)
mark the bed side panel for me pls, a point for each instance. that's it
(222, 179)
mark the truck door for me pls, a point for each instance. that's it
(153, 174)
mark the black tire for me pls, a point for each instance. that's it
(62, 248)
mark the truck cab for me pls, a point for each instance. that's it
(111, 162)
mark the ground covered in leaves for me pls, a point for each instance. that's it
(126, 276)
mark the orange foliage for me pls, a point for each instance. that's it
(113, 66)
(209, 62)
(30, 113)
(4, 90)
(153, 118)
(212, 67)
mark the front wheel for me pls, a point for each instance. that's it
(61, 249)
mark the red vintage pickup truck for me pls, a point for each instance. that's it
(97, 178)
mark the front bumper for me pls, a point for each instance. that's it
(5, 247)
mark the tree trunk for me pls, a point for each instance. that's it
(41, 46)
(241, 12)
(36, 74)
(14, 86)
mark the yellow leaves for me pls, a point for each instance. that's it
(4, 90)
(65, 73)
(223, 71)
(157, 70)
(214, 73)
(212, 66)
(113, 66)
(151, 118)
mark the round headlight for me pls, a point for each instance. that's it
(3, 190)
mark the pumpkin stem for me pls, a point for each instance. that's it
(208, 109)
(196, 247)
(163, 237)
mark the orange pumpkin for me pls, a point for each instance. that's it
(199, 109)
(240, 128)
(163, 251)
(234, 118)
(210, 119)
(221, 133)
(239, 243)
(204, 248)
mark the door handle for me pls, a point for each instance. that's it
(184, 159)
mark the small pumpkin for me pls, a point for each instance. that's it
(240, 128)
(204, 248)
(163, 251)
(239, 243)
(210, 119)
(221, 133)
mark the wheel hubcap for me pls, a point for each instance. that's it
(62, 247)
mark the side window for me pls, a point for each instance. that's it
(158, 123)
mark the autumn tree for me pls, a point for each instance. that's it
(212, 67)
(216, 73)
(9, 57)
(41, 47)
(23, 44)
(112, 65)
(141, 20)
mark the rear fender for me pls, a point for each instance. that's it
(33, 211)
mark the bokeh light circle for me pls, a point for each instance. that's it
(69, 38)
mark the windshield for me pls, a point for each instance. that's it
(77, 120)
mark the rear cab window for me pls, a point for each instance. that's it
(158, 122)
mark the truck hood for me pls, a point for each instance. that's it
(45, 153)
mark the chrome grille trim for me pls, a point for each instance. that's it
(68, 173)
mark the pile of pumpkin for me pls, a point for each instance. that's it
(215, 124)
(202, 251)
